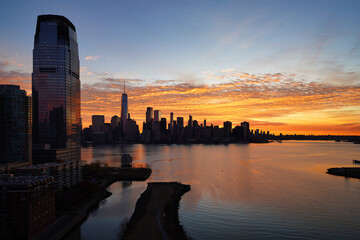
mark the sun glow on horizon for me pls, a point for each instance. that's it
(278, 103)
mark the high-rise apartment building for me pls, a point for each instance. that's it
(15, 126)
(56, 86)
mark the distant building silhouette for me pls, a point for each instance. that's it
(190, 121)
(245, 126)
(131, 133)
(98, 122)
(163, 125)
(124, 109)
(180, 122)
(157, 115)
(15, 128)
(171, 122)
(149, 115)
(115, 121)
(56, 88)
(227, 129)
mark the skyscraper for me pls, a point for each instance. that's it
(149, 114)
(190, 122)
(98, 123)
(171, 121)
(180, 122)
(245, 130)
(124, 109)
(56, 86)
(227, 128)
(15, 126)
(157, 116)
(115, 120)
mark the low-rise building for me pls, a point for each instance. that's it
(27, 205)
(65, 173)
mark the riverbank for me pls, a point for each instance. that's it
(156, 213)
(67, 221)
(353, 172)
(131, 174)
(74, 204)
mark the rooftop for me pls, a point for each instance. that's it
(8, 179)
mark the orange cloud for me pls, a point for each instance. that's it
(92, 58)
(15, 77)
(255, 98)
(271, 102)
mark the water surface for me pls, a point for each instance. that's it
(239, 191)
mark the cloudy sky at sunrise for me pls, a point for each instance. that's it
(284, 66)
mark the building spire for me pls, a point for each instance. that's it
(124, 88)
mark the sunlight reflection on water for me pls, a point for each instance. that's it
(255, 191)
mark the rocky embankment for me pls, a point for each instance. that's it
(156, 213)
(353, 172)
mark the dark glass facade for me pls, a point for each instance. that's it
(124, 110)
(15, 125)
(56, 85)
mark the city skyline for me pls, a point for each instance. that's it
(283, 67)
(234, 144)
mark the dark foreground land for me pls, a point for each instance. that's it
(353, 172)
(131, 174)
(74, 204)
(156, 213)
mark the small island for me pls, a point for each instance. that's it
(353, 172)
(156, 213)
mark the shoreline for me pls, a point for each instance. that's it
(66, 222)
(350, 139)
(156, 213)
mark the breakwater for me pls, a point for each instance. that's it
(156, 213)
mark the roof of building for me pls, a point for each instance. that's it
(56, 18)
(8, 179)
(50, 164)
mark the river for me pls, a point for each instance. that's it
(240, 191)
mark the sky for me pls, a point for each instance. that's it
(283, 66)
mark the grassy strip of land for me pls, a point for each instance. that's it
(156, 213)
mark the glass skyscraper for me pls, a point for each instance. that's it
(56, 87)
(124, 109)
